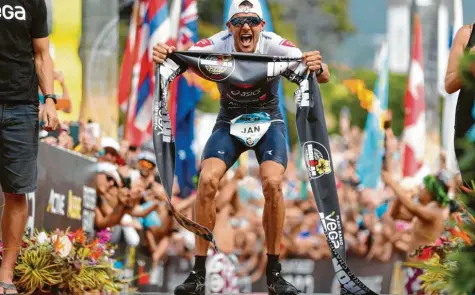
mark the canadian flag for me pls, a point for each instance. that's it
(414, 124)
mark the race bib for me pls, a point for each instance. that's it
(250, 128)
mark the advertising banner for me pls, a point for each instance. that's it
(64, 197)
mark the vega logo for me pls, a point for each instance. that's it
(8, 12)
(332, 226)
(349, 283)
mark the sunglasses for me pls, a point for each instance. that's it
(146, 164)
(110, 178)
(250, 20)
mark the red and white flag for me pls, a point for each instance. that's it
(130, 57)
(414, 124)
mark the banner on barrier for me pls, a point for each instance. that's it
(64, 197)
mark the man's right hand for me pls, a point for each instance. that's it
(161, 51)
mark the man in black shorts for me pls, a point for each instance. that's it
(25, 63)
(249, 118)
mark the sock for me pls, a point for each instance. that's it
(200, 263)
(273, 263)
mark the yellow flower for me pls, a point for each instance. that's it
(323, 166)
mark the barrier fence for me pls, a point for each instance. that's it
(66, 198)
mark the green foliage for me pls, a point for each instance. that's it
(339, 10)
(208, 104)
(211, 12)
(337, 98)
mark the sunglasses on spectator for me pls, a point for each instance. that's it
(146, 164)
(110, 178)
(250, 20)
(110, 151)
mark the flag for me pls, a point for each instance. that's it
(155, 29)
(175, 15)
(129, 59)
(450, 100)
(370, 161)
(414, 123)
(269, 27)
(187, 96)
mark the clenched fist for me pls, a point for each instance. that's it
(161, 51)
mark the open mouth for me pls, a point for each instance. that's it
(246, 40)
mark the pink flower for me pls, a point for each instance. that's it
(104, 236)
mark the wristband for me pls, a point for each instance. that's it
(51, 96)
(320, 71)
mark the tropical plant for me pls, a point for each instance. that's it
(65, 262)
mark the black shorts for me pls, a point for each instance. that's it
(271, 147)
(19, 129)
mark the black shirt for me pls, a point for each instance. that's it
(21, 21)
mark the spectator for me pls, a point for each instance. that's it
(110, 150)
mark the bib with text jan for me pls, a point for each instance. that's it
(250, 128)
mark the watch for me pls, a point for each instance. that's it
(51, 96)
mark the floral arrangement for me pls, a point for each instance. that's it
(450, 263)
(65, 262)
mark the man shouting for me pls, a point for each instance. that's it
(233, 135)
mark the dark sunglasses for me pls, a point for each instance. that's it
(110, 178)
(250, 20)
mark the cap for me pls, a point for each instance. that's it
(109, 142)
(109, 169)
(235, 8)
(147, 156)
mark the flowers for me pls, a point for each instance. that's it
(323, 166)
(104, 236)
(449, 264)
(65, 262)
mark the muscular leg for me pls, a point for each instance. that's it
(212, 170)
(15, 215)
(272, 174)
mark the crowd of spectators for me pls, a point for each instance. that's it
(132, 202)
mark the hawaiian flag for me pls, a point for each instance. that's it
(155, 29)
(186, 96)
(130, 57)
(414, 124)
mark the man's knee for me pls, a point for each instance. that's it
(209, 182)
(272, 186)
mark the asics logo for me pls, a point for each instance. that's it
(8, 12)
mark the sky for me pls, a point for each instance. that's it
(359, 49)
(373, 20)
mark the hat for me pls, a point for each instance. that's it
(147, 156)
(109, 142)
(109, 169)
(235, 9)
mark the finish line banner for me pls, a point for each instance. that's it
(253, 69)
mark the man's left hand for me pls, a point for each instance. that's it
(50, 116)
(313, 60)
